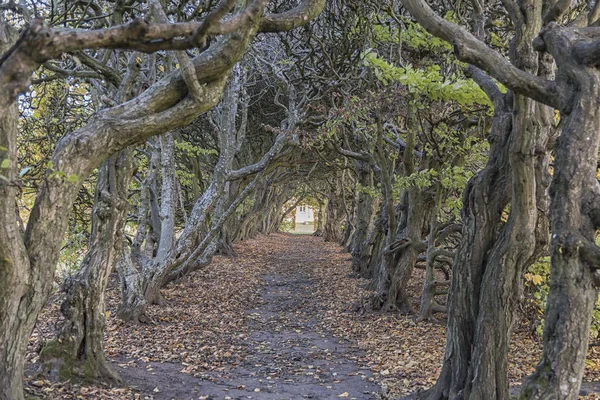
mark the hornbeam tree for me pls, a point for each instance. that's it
(574, 192)
(29, 257)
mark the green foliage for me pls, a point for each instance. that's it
(72, 178)
(186, 150)
(412, 36)
(191, 150)
(371, 191)
(415, 36)
(428, 82)
(286, 226)
(537, 280)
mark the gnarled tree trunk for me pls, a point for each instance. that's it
(364, 213)
(28, 261)
(79, 347)
(408, 248)
(16, 320)
(575, 216)
(484, 199)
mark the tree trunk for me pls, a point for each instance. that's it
(331, 230)
(167, 255)
(411, 245)
(364, 213)
(436, 234)
(575, 215)
(79, 348)
(484, 199)
(132, 306)
(478, 330)
(517, 248)
(17, 318)
(319, 221)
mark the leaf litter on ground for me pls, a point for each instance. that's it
(206, 327)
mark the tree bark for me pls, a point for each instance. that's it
(79, 346)
(28, 261)
(484, 199)
(437, 234)
(405, 258)
(476, 360)
(575, 220)
(16, 317)
(331, 230)
(319, 221)
(364, 214)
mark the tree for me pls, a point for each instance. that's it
(29, 258)
(574, 254)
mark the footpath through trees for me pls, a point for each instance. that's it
(276, 322)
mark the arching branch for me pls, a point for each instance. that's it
(469, 49)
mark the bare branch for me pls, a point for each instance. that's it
(293, 18)
(514, 12)
(188, 72)
(589, 253)
(109, 73)
(486, 84)
(587, 52)
(281, 140)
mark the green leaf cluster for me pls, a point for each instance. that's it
(537, 284)
(191, 150)
(428, 81)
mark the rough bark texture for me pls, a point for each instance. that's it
(319, 221)
(436, 255)
(79, 347)
(409, 247)
(132, 306)
(484, 199)
(29, 260)
(514, 251)
(16, 317)
(364, 213)
(574, 214)
(332, 230)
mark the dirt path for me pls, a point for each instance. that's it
(274, 323)
(289, 354)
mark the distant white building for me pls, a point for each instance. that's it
(304, 214)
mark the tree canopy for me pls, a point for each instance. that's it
(454, 145)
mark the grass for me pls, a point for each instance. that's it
(304, 229)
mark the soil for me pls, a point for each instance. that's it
(277, 322)
(289, 356)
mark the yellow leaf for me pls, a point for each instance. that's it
(161, 68)
(345, 394)
(537, 279)
(107, 314)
